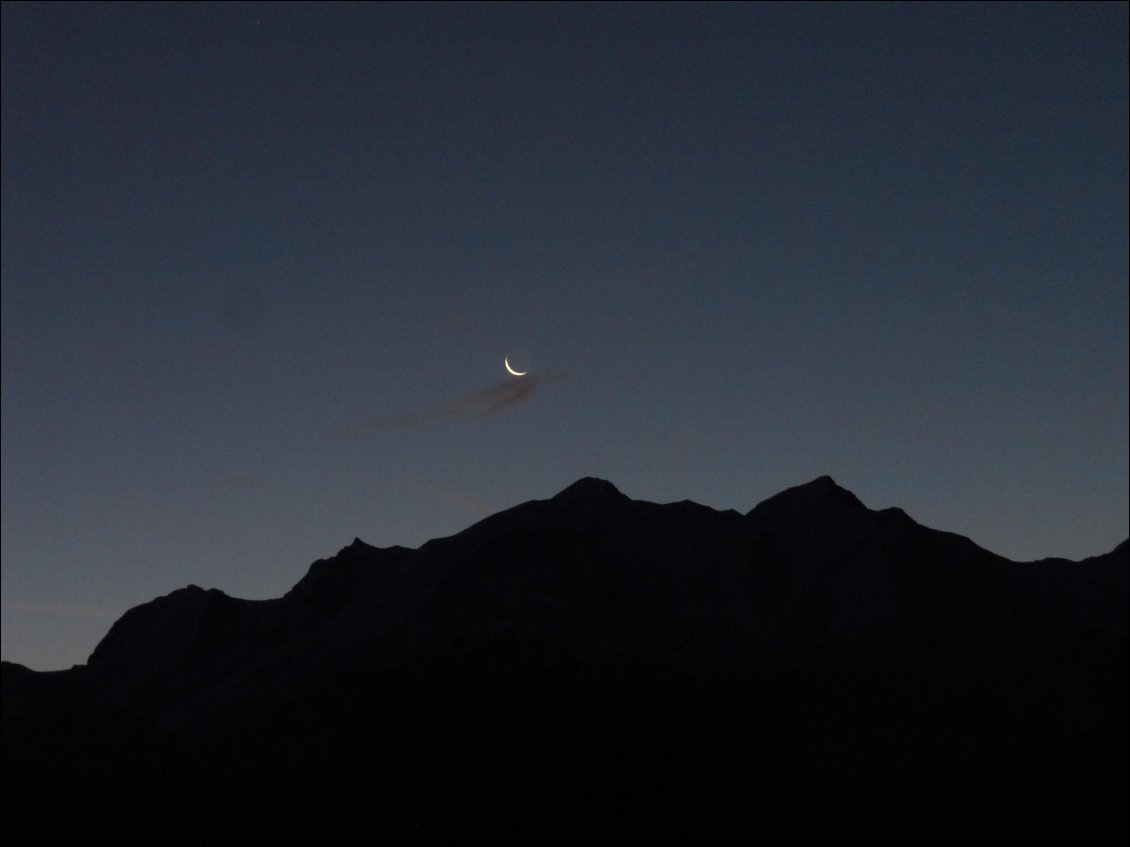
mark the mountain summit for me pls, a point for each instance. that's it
(589, 488)
(812, 669)
(818, 498)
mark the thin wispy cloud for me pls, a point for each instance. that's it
(486, 403)
(455, 498)
(242, 482)
(66, 610)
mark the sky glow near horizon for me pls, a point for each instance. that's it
(261, 264)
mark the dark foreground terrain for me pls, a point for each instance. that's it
(593, 668)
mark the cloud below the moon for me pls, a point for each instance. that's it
(485, 403)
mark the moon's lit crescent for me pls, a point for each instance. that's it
(506, 361)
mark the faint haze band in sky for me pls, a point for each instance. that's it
(486, 403)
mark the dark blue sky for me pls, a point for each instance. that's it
(737, 246)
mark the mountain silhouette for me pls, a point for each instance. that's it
(591, 666)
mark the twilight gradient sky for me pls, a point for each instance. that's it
(261, 265)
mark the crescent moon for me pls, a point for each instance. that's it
(506, 361)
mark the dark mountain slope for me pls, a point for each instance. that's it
(592, 663)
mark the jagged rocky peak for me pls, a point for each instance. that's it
(156, 630)
(353, 563)
(356, 547)
(190, 595)
(361, 552)
(590, 488)
(819, 497)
